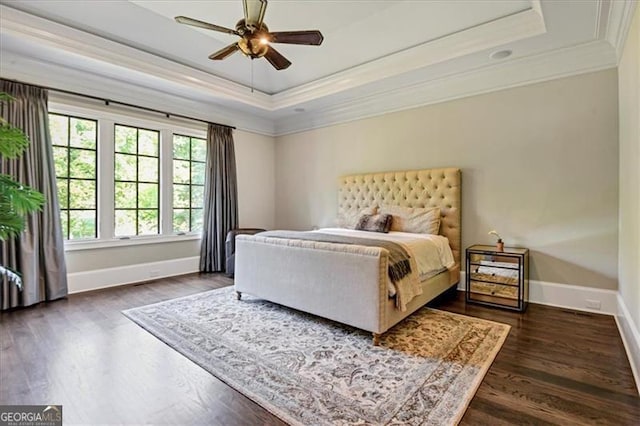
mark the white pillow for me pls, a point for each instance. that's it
(349, 218)
(414, 219)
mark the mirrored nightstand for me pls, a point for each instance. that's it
(498, 278)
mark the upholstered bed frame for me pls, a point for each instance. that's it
(348, 283)
(413, 188)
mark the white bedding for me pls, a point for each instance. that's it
(432, 253)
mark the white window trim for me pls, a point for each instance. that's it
(107, 117)
(76, 245)
(106, 185)
(166, 181)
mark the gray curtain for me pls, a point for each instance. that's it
(220, 198)
(38, 253)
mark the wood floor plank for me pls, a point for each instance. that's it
(551, 402)
(557, 366)
(486, 412)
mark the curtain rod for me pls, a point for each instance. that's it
(110, 101)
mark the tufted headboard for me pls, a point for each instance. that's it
(413, 188)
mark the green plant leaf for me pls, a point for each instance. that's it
(21, 198)
(13, 141)
(10, 226)
(16, 201)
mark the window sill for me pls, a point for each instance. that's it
(132, 241)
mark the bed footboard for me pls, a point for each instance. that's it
(341, 282)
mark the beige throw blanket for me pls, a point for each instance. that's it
(401, 265)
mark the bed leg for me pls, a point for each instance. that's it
(376, 339)
(238, 295)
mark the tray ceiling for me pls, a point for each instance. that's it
(371, 48)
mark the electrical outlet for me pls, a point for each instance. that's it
(154, 273)
(593, 304)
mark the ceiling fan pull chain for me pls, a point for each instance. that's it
(251, 75)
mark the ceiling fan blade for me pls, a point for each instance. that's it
(278, 61)
(254, 12)
(224, 52)
(310, 37)
(205, 25)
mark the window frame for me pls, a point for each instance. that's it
(107, 117)
(68, 177)
(137, 182)
(190, 185)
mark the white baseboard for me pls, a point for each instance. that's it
(567, 296)
(573, 297)
(630, 338)
(79, 282)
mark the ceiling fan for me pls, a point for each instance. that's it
(255, 38)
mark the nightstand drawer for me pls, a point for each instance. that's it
(496, 293)
(494, 260)
(495, 275)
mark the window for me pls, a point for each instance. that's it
(189, 156)
(75, 143)
(137, 183)
(126, 179)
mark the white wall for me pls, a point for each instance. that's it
(629, 246)
(539, 164)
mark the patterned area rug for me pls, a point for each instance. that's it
(307, 370)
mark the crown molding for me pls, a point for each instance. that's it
(34, 71)
(620, 15)
(137, 66)
(580, 59)
(505, 30)
(602, 19)
(560, 63)
(130, 61)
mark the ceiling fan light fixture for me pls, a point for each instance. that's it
(255, 39)
(252, 47)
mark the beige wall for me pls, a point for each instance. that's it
(539, 164)
(629, 246)
(255, 160)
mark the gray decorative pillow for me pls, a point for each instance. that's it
(349, 218)
(375, 223)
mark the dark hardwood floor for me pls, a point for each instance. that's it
(556, 367)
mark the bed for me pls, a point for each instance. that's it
(349, 283)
